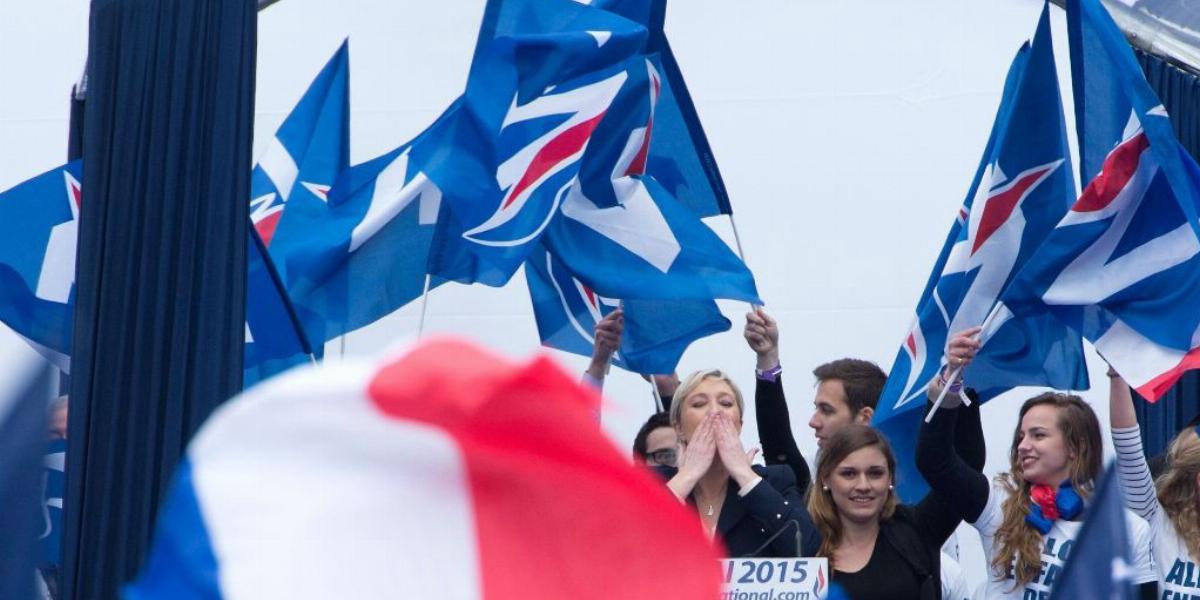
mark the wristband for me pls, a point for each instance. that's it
(769, 375)
(955, 387)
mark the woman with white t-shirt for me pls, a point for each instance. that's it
(1029, 517)
(1173, 509)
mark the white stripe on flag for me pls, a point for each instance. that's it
(280, 167)
(1137, 358)
(339, 513)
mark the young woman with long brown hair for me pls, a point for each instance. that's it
(1029, 518)
(1170, 505)
(877, 548)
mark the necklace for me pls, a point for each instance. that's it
(710, 511)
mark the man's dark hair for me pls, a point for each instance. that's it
(656, 420)
(863, 381)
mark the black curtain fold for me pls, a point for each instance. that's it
(161, 265)
(1179, 91)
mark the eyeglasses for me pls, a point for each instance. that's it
(665, 457)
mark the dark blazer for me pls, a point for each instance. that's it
(746, 524)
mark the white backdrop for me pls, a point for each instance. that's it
(847, 133)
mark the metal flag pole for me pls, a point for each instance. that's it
(737, 240)
(658, 401)
(424, 305)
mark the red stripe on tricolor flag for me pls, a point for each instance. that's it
(560, 512)
(1155, 388)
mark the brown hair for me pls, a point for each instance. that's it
(1177, 490)
(845, 442)
(863, 381)
(1016, 540)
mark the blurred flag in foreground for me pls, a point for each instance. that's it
(448, 472)
(1100, 565)
(24, 391)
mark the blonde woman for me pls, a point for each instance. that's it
(1173, 509)
(1029, 517)
(753, 510)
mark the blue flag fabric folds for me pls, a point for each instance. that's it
(308, 151)
(38, 226)
(535, 95)
(1100, 565)
(656, 331)
(1021, 190)
(295, 173)
(1123, 265)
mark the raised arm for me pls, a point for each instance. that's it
(1136, 482)
(770, 406)
(938, 460)
(607, 340)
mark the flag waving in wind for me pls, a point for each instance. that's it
(309, 150)
(1123, 266)
(1021, 190)
(38, 232)
(293, 177)
(534, 97)
(656, 331)
(447, 472)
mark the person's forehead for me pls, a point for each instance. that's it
(660, 437)
(831, 390)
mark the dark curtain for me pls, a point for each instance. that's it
(161, 267)
(1179, 91)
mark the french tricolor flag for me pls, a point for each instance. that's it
(448, 472)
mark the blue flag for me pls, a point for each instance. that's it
(536, 94)
(656, 331)
(294, 175)
(1100, 565)
(679, 156)
(365, 252)
(1022, 188)
(1123, 265)
(24, 391)
(275, 341)
(308, 151)
(38, 222)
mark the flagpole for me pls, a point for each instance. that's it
(737, 240)
(987, 322)
(658, 401)
(424, 305)
(269, 263)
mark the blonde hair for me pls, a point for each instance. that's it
(1019, 544)
(845, 442)
(1177, 488)
(692, 382)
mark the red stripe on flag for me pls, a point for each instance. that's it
(1155, 388)
(558, 149)
(266, 226)
(559, 511)
(911, 342)
(1000, 206)
(1119, 167)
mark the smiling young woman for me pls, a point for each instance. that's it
(1029, 517)
(877, 548)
